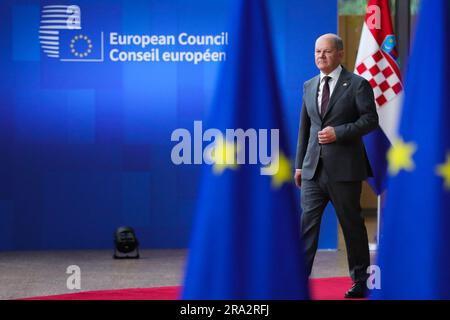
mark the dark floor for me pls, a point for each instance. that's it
(27, 274)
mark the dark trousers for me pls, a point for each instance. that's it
(345, 197)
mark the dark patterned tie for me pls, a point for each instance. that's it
(325, 96)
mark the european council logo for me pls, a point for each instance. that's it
(62, 38)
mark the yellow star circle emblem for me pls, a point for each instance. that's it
(87, 46)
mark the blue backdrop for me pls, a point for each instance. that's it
(85, 146)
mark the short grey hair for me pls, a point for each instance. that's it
(338, 43)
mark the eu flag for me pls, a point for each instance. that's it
(245, 242)
(414, 257)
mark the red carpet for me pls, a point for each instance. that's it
(322, 289)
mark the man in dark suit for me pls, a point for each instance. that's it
(331, 163)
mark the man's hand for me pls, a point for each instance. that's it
(327, 135)
(298, 177)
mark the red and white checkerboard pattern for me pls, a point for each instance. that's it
(383, 79)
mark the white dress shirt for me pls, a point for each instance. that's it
(334, 75)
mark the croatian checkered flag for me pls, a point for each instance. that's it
(377, 62)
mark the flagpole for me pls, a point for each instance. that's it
(378, 219)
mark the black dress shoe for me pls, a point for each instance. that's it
(357, 291)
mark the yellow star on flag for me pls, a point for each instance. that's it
(224, 156)
(443, 170)
(280, 170)
(400, 156)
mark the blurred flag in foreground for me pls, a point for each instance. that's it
(377, 62)
(414, 256)
(245, 241)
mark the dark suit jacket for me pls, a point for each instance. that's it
(352, 113)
